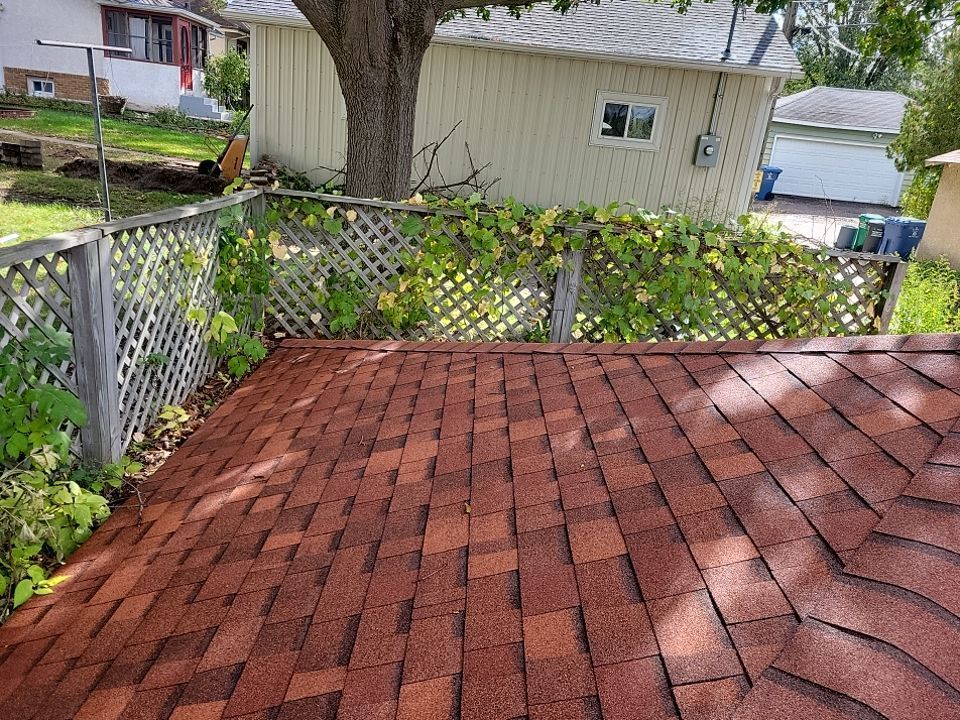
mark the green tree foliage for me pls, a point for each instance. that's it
(227, 78)
(930, 125)
(834, 45)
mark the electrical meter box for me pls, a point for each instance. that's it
(708, 151)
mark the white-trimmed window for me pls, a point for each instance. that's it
(38, 87)
(628, 121)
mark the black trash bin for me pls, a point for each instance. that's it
(770, 175)
(875, 230)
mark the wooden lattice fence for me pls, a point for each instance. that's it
(124, 291)
(531, 304)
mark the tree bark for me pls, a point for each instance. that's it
(377, 47)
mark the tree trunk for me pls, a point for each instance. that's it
(377, 47)
(381, 109)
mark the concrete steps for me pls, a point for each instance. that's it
(199, 106)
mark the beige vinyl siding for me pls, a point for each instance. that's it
(528, 115)
(838, 134)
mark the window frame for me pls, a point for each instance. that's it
(151, 41)
(41, 93)
(656, 135)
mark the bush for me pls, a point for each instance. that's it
(48, 505)
(929, 299)
(227, 78)
(918, 198)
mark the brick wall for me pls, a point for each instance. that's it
(67, 87)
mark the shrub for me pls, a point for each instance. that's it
(918, 197)
(227, 78)
(48, 504)
(929, 299)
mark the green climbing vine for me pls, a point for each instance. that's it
(655, 275)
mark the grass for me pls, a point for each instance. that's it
(929, 299)
(41, 203)
(118, 134)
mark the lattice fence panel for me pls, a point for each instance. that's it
(35, 297)
(161, 355)
(762, 315)
(372, 252)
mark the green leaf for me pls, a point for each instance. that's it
(22, 592)
(411, 226)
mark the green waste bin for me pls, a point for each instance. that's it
(864, 228)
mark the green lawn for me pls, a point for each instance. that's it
(34, 203)
(119, 134)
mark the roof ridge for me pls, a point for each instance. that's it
(882, 531)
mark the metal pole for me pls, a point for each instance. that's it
(98, 132)
(95, 98)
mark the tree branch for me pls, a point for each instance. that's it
(454, 5)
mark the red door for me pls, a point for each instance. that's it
(186, 60)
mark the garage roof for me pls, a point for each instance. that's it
(623, 30)
(869, 110)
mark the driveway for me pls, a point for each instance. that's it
(814, 220)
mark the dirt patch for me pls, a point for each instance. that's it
(146, 176)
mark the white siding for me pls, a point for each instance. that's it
(530, 116)
(23, 22)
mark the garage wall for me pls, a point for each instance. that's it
(530, 116)
(858, 136)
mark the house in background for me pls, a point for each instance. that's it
(832, 144)
(170, 46)
(545, 100)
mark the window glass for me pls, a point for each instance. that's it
(138, 39)
(161, 41)
(41, 88)
(614, 119)
(118, 32)
(641, 122)
(199, 46)
(629, 121)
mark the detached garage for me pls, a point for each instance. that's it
(832, 144)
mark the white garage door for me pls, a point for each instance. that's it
(836, 171)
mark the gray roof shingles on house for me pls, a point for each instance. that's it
(843, 108)
(624, 30)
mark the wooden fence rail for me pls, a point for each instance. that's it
(123, 292)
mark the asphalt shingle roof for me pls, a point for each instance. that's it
(843, 108)
(614, 29)
(435, 531)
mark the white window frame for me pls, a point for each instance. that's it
(41, 93)
(604, 97)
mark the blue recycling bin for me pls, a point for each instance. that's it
(901, 235)
(770, 175)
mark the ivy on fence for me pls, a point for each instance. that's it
(645, 276)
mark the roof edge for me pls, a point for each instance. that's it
(181, 12)
(718, 66)
(947, 158)
(941, 342)
(810, 123)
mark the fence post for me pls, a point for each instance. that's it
(95, 346)
(893, 284)
(565, 295)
